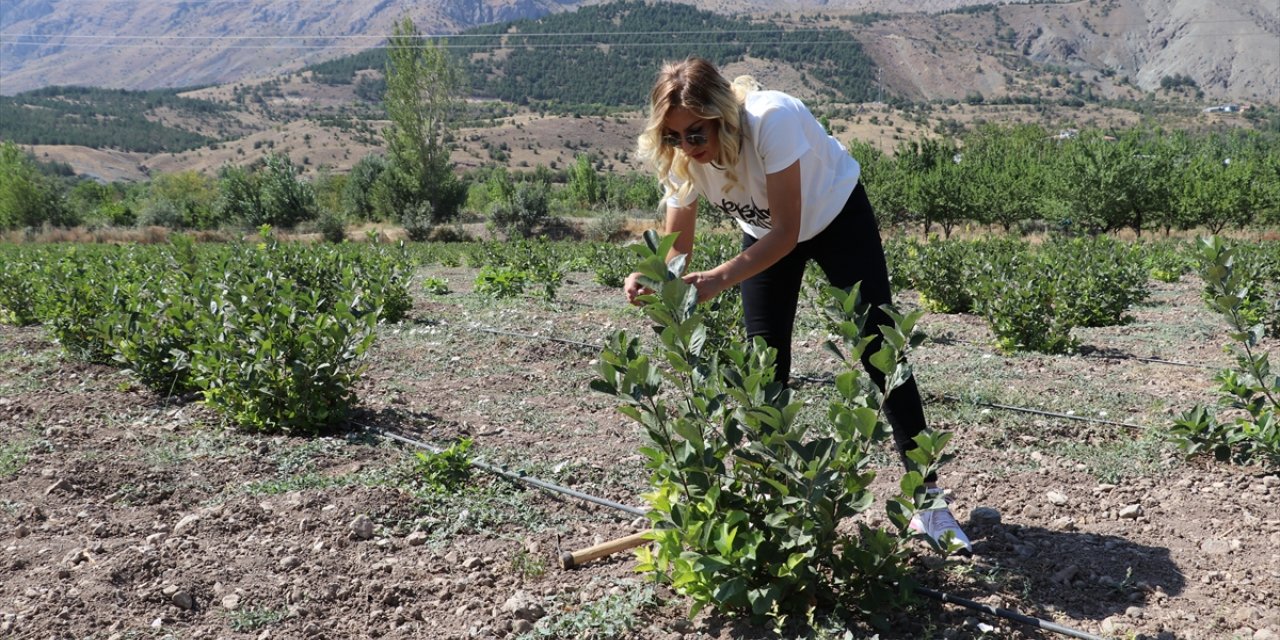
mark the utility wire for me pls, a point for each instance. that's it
(519, 34)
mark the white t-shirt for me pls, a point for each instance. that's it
(778, 131)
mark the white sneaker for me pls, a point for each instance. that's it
(937, 524)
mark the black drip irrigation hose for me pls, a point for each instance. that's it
(1051, 414)
(1094, 356)
(1007, 614)
(526, 336)
(513, 476)
(818, 380)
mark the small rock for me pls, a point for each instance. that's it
(21, 531)
(1265, 634)
(1112, 625)
(984, 517)
(182, 600)
(1271, 482)
(62, 484)
(231, 602)
(1215, 547)
(521, 627)
(361, 528)
(1056, 498)
(290, 562)
(185, 523)
(1063, 524)
(1134, 612)
(1131, 512)
(472, 563)
(1066, 574)
(416, 539)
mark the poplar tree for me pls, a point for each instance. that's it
(419, 187)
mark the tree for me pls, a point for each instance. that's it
(1005, 169)
(182, 200)
(357, 195)
(584, 182)
(422, 103)
(286, 200)
(28, 198)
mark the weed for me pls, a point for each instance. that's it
(528, 565)
(609, 617)
(13, 456)
(175, 450)
(1113, 462)
(436, 286)
(301, 458)
(447, 470)
(255, 618)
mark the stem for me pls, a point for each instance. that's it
(669, 448)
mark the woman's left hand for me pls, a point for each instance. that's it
(708, 284)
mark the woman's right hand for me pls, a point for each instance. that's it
(632, 287)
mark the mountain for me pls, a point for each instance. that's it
(927, 48)
(175, 43)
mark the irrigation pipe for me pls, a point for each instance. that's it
(533, 337)
(1051, 414)
(514, 477)
(1007, 614)
(1092, 356)
(814, 379)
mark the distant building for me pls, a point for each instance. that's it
(1224, 108)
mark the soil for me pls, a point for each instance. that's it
(128, 515)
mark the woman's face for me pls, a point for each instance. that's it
(698, 138)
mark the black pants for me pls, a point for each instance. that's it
(848, 251)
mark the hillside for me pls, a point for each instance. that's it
(878, 77)
(1230, 50)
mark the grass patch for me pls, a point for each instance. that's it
(173, 451)
(1113, 462)
(609, 617)
(254, 618)
(14, 456)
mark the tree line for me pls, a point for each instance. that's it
(1090, 181)
(615, 50)
(100, 118)
(1018, 178)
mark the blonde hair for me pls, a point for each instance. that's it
(694, 84)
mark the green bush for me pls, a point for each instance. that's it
(746, 501)
(1097, 280)
(1019, 303)
(945, 276)
(526, 209)
(1251, 392)
(284, 359)
(502, 282)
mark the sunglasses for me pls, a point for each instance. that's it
(695, 139)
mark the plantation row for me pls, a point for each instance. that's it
(1020, 178)
(271, 334)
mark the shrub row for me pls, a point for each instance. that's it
(270, 335)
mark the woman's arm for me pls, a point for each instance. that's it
(682, 220)
(783, 188)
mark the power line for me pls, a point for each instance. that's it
(551, 34)
(494, 46)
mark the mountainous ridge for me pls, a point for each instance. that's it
(1231, 51)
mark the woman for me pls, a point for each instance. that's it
(762, 158)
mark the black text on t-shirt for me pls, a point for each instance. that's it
(748, 213)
